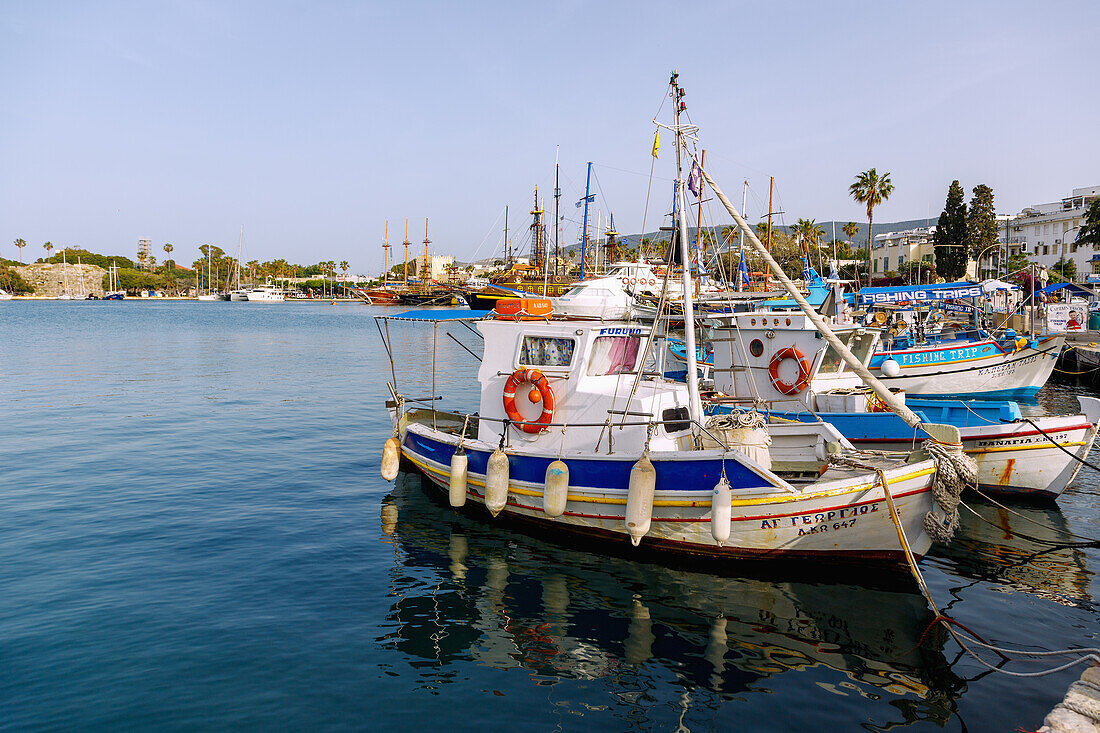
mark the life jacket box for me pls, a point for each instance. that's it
(523, 309)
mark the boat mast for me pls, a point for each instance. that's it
(424, 276)
(538, 255)
(584, 236)
(407, 243)
(240, 251)
(386, 257)
(507, 251)
(695, 406)
(741, 240)
(700, 247)
(557, 218)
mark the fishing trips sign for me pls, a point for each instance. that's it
(950, 291)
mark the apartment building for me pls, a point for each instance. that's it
(1046, 232)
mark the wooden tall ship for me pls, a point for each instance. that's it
(543, 276)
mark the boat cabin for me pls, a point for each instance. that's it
(779, 358)
(594, 378)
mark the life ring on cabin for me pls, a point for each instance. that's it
(546, 396)
(799, 384)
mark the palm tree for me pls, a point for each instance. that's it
(47, 246)
(871, 189)
(850, 230)
(20, 243)
(344, 268)
(168, 252)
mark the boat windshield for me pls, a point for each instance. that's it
(861, 345)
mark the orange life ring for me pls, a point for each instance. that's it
(542, 384)
(799, 384)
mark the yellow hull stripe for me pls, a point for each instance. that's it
(685, 503)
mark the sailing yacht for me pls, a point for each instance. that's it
(239, 294)
(65, 294)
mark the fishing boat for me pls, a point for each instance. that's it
(929, 355)
(65, 294)
(778, 359)
(577, 434)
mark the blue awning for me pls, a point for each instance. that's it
(900, 293)
(443, 314)
(1072, 288)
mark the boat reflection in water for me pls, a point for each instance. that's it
(467, 592)
(1019, 546)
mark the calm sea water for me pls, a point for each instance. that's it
(190, 538)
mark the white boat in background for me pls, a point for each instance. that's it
(239, 295)
(612, 297)
(266, 293)
(5, 295)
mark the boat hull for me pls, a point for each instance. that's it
(837, 519)
(1013, 458)
(977, 368)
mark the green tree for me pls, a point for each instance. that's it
(168, 253)
(20, 244)
(850, 230)
(949, 241)
(981, 223)
(1064, 270)
(1089, 234)
(47, 246)
(916, 272)
(871, 189)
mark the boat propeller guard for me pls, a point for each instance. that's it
(803, 379)
(545, 393)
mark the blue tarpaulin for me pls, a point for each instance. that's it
(900, 293)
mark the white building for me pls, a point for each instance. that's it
(892, 249)
(1046, 232)
(437, 268)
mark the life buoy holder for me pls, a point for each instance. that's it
(546, 396)
(803, 363)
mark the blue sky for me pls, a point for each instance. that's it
(313, 123)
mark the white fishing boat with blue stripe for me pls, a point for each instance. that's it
(578, 433)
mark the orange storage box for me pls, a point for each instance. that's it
(523, 309)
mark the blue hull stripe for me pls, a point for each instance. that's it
(595, 473)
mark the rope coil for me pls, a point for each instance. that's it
(954, 471)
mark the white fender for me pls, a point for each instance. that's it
(890, 368)
(389, 518)
(496, 482)
(391, 458)
(457, 481)
(720, 511)
(639, 499)
(555, 490)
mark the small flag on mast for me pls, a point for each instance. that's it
(695, 178)
(656, 142)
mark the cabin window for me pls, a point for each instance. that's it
(546, 351)
(614, 355)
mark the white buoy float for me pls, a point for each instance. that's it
(391, 458)
(496, 482)
(720, 511)
(555, 491)
(457, 481)
(890, 368)
(639, 499)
